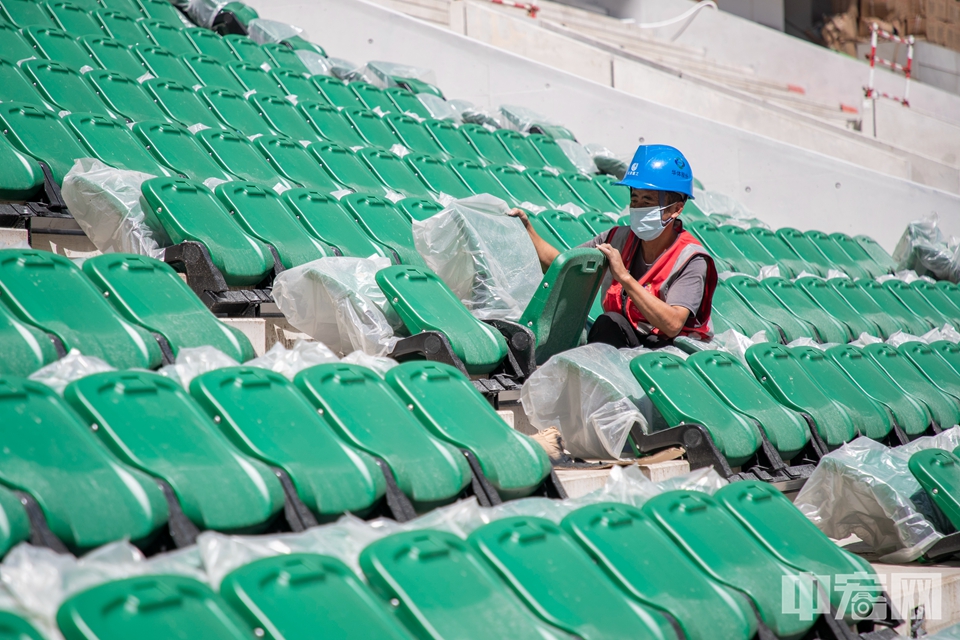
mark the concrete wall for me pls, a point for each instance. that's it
(783, 184)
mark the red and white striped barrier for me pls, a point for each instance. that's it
(530, 7)
(875, 33)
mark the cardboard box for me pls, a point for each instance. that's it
(937, 10)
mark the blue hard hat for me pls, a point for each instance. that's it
(659, 167)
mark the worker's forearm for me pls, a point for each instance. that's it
(546, 252)
(666, 318)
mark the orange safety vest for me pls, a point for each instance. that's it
(657, 280)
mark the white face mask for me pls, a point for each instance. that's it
(647, 222)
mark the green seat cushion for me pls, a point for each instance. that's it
(827, 298)
(949, 351)
(180, 103)
(234, 153)
(419, 208)
(555, 188)
(597, 223)
(39, 133)
(173, 146)
(148, 421)
(328, 124)
(14, 85)
(392, 172)
(866, 306)
(566, 226)
(437, 176)
(324, 217)
(752, 250)
(371, 97)
(298, 85)
(479, 180)
(295, 163)
(170, 37)
(13, 46)
(795, 299)
(330, 476)
(13, 627)
(16, 527)
(151, 294)
(939, 300)
(367, 414)
(938, 472)
(909, 321)
(768, 307)
(551, 152)
(281, 115)
(486, 145)
(25, 14)
(125, 96)
(234, 111)
(520, 186)
(382, 222)
(111, 142)
(283, 57)
(425, 303)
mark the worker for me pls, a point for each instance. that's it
(660, 280)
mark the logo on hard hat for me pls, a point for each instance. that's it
(680, 163)
(634, 166)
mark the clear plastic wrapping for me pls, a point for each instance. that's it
(866, 489)
(923, 249)
(482, 254)
(336, 301)
(290, 362)
(380, 364)
(735, 343)
(203, 12)
(473, 114)
(950, 633)
(382, 74)
(315, 63)
(73, 366)
(194, 361)
(347, 70)
(905, 275)
(578, 155)
(606, 161)
(523, 119)
(106, 204)
(713, 203)
(439, 108)
(264, 31)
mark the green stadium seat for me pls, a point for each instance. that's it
(172, 38)
(718, 244)
(780, 251)
(744, 318)
(346, 168)
(520, 185)
(164, 64)
(550, 151)
(108, 53)
(450, 407)
(937, 298)
(520, 149)
(451, 140)
(597, 223)
(720, 546)
(795, 299)
(370, 97)
(237, 155)
(938, 472)
(866, 306)
(295, 163)
(254, 78)
(752, 250)
(682, 397)
(152, 295)
(370, 128)
(330, 476)
(860, 257)
(25, 348)
(546, 232)
(419, 208)
(425, 303)
(151, 423)
(916, 303)
(877, 253)
(413, 135)
(382, 222)
(121, 27)
(949, 351)
(658, 573)
(189, 211)
(828, 299)
(618, 193)
(392, 172)
(73, 19)
(260, 213)
(62, 87)
(325, 218)
(211, 72)
(950, 290)
(34, 284)
(22, 176)
(406, 102)
(911, 414)
(554, 187)
(437, 176)
(58, 46)
(479, 180)
(537, 558)
(111, 142)
(246, 49)
(367, 414)
(129, 7)
(891, 305)
(150, 606)
(180, 103)
(589, 192)
(233, 111)
(283, 57)
(933, 367)
(87, 496)
(807, 250)
(486, 145)
(759, 299)
(13, 47)
(14, 85)
(164, 11)
(566, 226)
(787, 380)
(25, 13)
(125, 96)
(415, 568)
(836, 255)
(175, 148)
(281, 593)
(212, 44)
(327, 123)
(293, 83)
(15, 627)
(337, 92)
(729, 379)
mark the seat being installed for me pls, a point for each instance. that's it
(161, 606)
(891, 305)
(336, 92)
(866, 306)
(346, 168)
(151, 294)
(415, 569)
(165, 65)
(180, 103)
(234, 111)
(937, 298)
(111, 142)
(370, 128)
(392, 172)
(365, 413)
(682, 397)
(40, 133)
(261, 214)
(330, 476)
(324, 217)
(149, 422)
(858, 254)
(450, 407)
(827, 298)
(295, 163)
(281, 593)
(720, 546)
(451, 140)
(437, 176)
(281, 115)
(173, 146)
(211, 72)
(35, 284)
(787, 380)
(406, 102)
(235, 154)
(728, 378)
(913, 300)
(25, 348)
(911, 414)
(764, 304)
(22, 176)
(58, 46)
(796, 300)
(62, 87)
(876, 253)
(246, 50)
(86, 495)
(943, 407)
(933, 367)
(212, 44)
(938, 472)
(385, 224)
(425, 303)
(189, 211)
(536, 558)
(734, 309)
(720, 246)
(125, 96)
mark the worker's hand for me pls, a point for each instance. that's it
(614, 262)
(521, 215)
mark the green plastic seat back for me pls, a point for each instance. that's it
(767, 306)
(546, 232)
(16, 530)
(327, 122)
(121, 27)
(283, 57)
(932, 366)
(520, 149)
(346, 168)
(295, 83)
(233, 111)
(337, 92)
(14, 85)
(163, 11)
(281, 594)
(181, 104)
(949, 351)
(451, 140)
(597, 223)
(437, 176)
(938, 299)
(151, 423)
(713, 538)
(657, 572)
(189, 211)
(164, 64)
(943, 407)
(719, 245)
(911, 415)
(415, 569)
(393, 172)
(800, 304)
(261, 214)
(804, 247)
(151, 294)
(22, 176)
(419, 208)
(24, 13)
(567, 226)
(211, 72)
(877, 253)
(370, 128)
(125, 96)
(128, 7)
(736, 310)
(40, 133)
(13, 46)
(938, 472)
(367, 414)
(827, 298)
(486, 145)
(780, 251)
(88, 498)
(13, 627)
(150, 607)
(857, 253)
(891, 305)
(62, 87)
(536, 558)
(838, 258)
(234, 153)
(212, 44)
(281, 115)
(324, 217)
(73, 19)
(789, 382)
(425, 303)
(385, 224)
(330, 476)
(171, 38)
(913, 300)
(950, 290)
(295, 163)
(479, 180)
(728, 378)
(246, 49)
(25, 348)
(112, 143)
(589, 192)
(450, 407)
(866, 306)
(413, 135)
(371, 97)
(558, 310)
(554, 187)
(551, 152)
(58, 46)
(747, 244)
(253, 78)
(519, 185)
(34, 284)
(682, 397)
(177, 149)
(406, 102)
